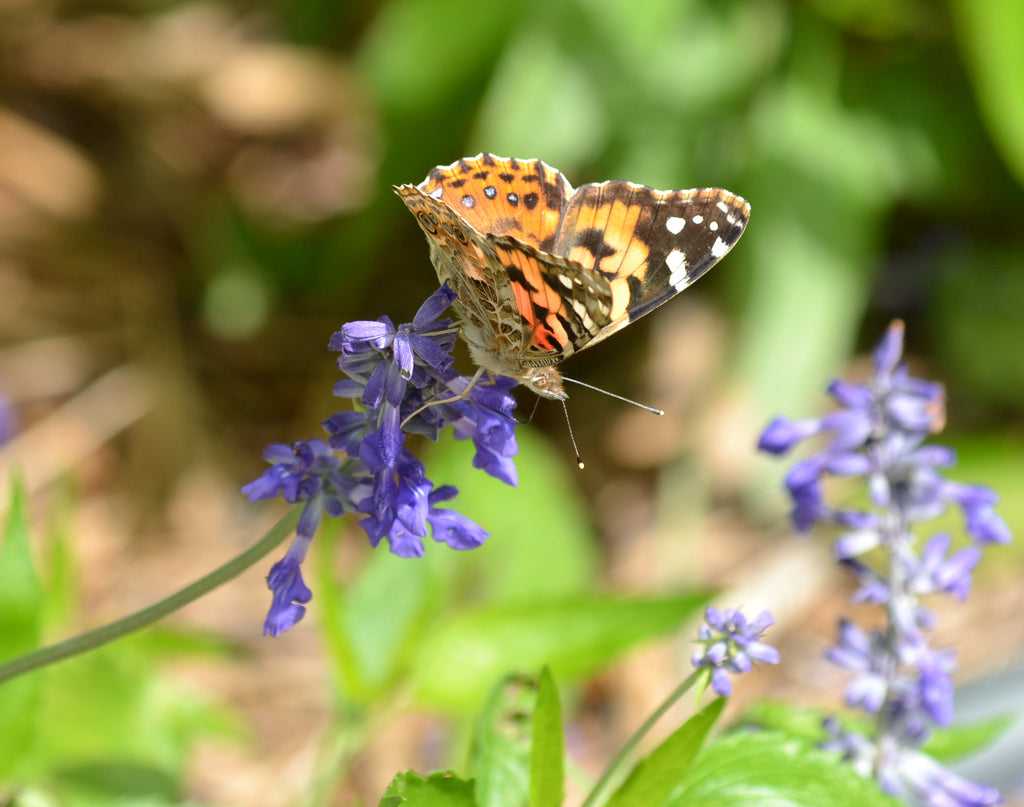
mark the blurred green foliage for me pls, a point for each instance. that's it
(204, 189)
(103, 728)
(248, 153)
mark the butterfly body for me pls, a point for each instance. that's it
(542, 270)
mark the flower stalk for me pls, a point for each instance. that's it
(877, 435)
(403, 382)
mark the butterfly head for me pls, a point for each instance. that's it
(545, 381)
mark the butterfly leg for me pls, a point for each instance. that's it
(461, 396)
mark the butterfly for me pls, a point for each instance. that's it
(543, 271)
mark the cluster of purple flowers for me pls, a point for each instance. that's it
(364, 466)
(731, 644)
(878, 434)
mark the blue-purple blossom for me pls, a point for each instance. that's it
(906, 773)
(731, 645)
(404, 382)
(878, 434)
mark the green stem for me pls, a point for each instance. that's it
(627, 749)
(147, 616)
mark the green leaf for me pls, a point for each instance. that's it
(547, 763)
(946, 745)
(500, 758)
(375, 626)
(793, 721)
(21, 595)
(575, 126)
(991, 33)
(574, 636)
(110, 708)
(62, 587)
(766, 768)
(455, 40)
(655, 777)
(949, 745)
(113, 781)
(437, 790)
(521, 562)
(21, 613)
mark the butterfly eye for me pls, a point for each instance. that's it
(427, 222)
(457, 232)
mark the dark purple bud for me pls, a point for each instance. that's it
(374, 392)
(285, 581)
(889, 351)
(434, 306)
(855, 397)
(782, 434)
(434, 355)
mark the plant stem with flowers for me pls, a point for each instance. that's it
(405, 383)
(878, 435)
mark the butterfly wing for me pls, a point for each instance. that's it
(542, 272)
(519, 306)
(561, 305)
(520, 198)
(648, 244)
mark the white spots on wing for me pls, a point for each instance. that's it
(580, 308)
(731, 219)
(468, 201)
(723, 207)
(719, 248)
(675, 224)
(698, 219)
(566, 281)
(713, 226)
(437, 193)
(676, 263)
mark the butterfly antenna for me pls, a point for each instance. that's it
(536, 403)
(572, 437)
(653, 410)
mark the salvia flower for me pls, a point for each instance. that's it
(404, 382)
(731, 644)
(878, 435)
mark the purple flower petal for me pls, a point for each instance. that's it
(404, 359)
(455, 530)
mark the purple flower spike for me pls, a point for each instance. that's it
(731, 645)
(878, 434)
(405, 380)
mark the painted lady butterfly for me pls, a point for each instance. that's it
(543, 271)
